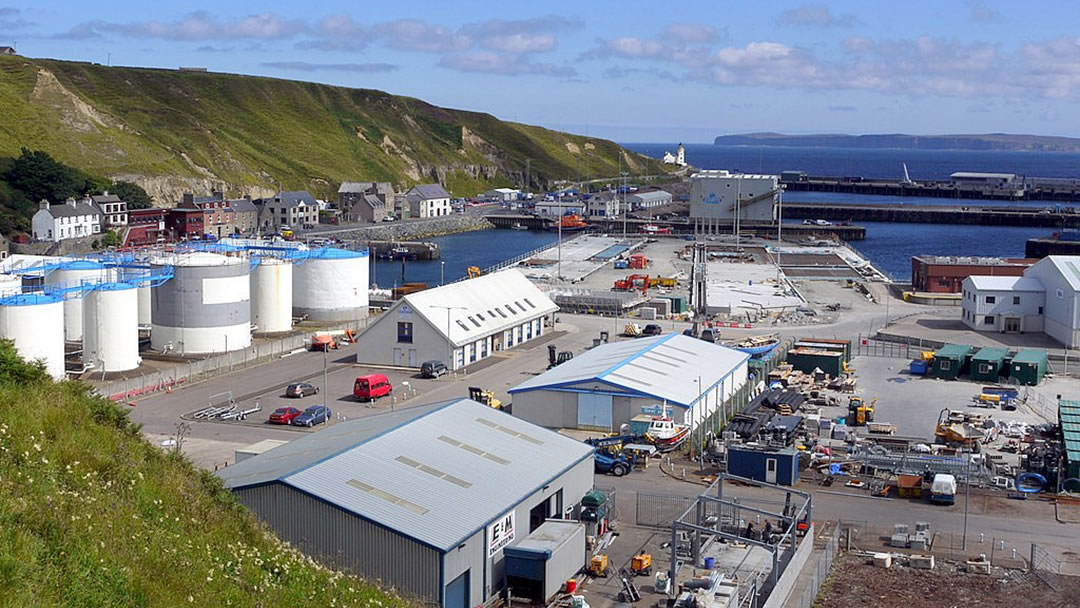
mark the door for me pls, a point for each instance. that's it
(594, 411)
(398, 357)
(1012, 325)
(457, 592)
(412, 357)
(770, 470)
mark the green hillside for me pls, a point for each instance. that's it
(169, 130)
(91, 514)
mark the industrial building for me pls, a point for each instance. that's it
(460, 323)
(1045, 299)
(424, 499)
(974, 178)
(607, 386)
(945, 274)
(717, 197)
(649, 199)
(503, 195)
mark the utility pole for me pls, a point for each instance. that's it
(738, 209)
(779, 223)
(325, 384)
(449, 342)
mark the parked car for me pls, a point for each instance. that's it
(433, 369)
(709, 335)
(284, 415)
(301, 389)
(371, 387)
(652, 329)
(316, 414)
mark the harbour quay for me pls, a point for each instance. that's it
(933, 214)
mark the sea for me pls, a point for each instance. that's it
(889, 246)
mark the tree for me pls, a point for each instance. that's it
(110, 239)
(38, 176)
(132, 194)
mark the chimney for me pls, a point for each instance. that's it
(218, 195)
(44, 204)
(189, 198)
(105, 193)
(72, 202)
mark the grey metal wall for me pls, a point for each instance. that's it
(345, 541)
(378, 341)
(179, 302)
(565, 562)
(557, 409)
(574, 483)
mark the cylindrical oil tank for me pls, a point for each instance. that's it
(35, 323)
(332, 285)
(205, 307)
(111, 333)
(272, 296)
(72, 273)
(144, 305)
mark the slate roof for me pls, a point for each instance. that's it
(292, 199)
(66, 210)
(243, 205)
(429, 191)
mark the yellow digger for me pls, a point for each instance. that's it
(859, 412)
(487, 397)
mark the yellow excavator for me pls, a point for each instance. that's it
(473, 272)
(860, 412)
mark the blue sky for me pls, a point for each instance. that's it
(631, 71)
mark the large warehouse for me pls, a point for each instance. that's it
(716, 196)
(476, 318)
(607, 386)
(424, 499)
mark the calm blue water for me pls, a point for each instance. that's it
(890, 246)
(843, 197)
(922, 164)
(459, 251)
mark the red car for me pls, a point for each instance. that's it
(284, 415)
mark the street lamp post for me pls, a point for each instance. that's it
(442, 272)
(449, 342)
(324, 373)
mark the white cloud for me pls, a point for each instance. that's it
(504, 64)
(691, 33)
(817, 15)
(303, 66)
(416, 35)
(195, 26)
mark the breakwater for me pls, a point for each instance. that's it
(408, 230)
(932, 214)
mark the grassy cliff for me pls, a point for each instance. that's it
(168, 131)
(91, 514)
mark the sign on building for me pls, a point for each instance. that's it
(500, 533)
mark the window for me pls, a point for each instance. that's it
(522, 307)
(512, 311)
(984, 368)
(945, 365)
(462, 325)
(404, 332)
(472, 352)
(480, 316)
(1016, 300)
(1040, 310)
(988, 320)
(501, 313)
(474, 321)
(991, 299)
(1060, 294)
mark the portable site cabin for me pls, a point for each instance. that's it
(843, 346)
(1069, 419)
(1029, 366)
(778, 466)
(807, 358)
(951, 361)
(537, 567)
(988, 364)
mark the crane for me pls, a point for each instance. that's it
(907, 178)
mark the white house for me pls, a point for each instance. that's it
(1046, 298)
(605, 204)
(70, 220)
(114, 210)
(428, 200)
(1003, 304)
(467, 321)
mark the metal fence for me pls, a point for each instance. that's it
(881, 348)
(1045, 567)
(818, 576)
(659, 510)
(195, 370)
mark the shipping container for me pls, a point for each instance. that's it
(770, 466)
(988, 364)
(1029, 366)
(951, 361)
(806, 359)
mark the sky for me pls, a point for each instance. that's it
(630, 71)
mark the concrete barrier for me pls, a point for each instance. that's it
(786, 584)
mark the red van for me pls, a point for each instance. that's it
(371, 387)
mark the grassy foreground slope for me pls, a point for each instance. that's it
(167, 129)
(91, 514)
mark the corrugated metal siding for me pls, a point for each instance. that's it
(470, 557)
(344, 541)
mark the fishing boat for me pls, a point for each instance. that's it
(397, 253)
(570, 223)
(518, 226)
(666, 434)
(756, 346)
(654, 229)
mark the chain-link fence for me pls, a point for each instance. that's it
(818, 575)
(659, 510)
(1045, 567)
(195, 370)
(881, 348)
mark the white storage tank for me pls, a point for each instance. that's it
(205, 307)
(10, 285)
(35, 323)
(72, 273)
(272, 296)
(111, 333)
(144, 305)
(332, 285)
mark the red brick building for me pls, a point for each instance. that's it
(183, 224)
(146, 227)
(944, 274)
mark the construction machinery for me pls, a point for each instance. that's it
(473, 272)
(958, 429)
(485, 396)
(558, 357)
(641, 564)
(323, 342)
(860, 412)
(598, 565)
(633, 282)
(665, 282)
